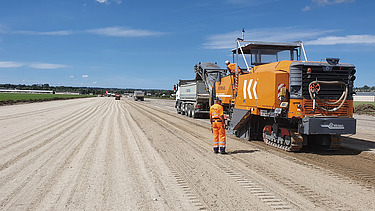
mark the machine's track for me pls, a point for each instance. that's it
(286, 139)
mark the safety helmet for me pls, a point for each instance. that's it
(227, 62)
(218, 98)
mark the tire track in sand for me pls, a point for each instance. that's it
(41, 159)
(170, 187)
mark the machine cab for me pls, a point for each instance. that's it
(257, 53)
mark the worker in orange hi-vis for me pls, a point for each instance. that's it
(218, 127)
(232, 67)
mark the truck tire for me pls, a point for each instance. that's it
(193, 114)
(190, 108)
(187, 109)
(182, 109)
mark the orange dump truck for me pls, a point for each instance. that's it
(288, 102)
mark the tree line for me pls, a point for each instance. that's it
(365, 88)
(85, 90)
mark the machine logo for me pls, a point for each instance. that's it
(247, 89)
(332, 126)
(222, 88)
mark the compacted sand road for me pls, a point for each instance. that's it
(104, 154)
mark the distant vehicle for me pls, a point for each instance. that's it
(117, 97)
(139, 95)
(108, 93)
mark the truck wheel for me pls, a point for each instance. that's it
(190, 108)
(187, 110)
(183, 109)
(193, 114)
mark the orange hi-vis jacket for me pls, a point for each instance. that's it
(232, 67)
(218, 128)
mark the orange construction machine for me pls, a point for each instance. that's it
(285, 101)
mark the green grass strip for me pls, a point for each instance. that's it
(355, 103)
(25, 97)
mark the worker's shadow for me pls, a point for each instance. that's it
(241, 151)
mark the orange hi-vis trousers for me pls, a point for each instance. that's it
(218, 129)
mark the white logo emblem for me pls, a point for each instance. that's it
(332, 126)
(247, 89)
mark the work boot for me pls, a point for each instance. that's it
(222, 150)
(216, 149)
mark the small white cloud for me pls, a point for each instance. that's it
(285, 34)
(10, 64)
(85, 76)
(71, 76)
(62, 32)
(307, 8)
(7, 30)
(53, 33)
(124, 32)
(322, 3)
(349, 39)
(94, 82)
(47, 66)
(328, 2)
(250, 2)
(109, 1)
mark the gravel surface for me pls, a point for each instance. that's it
(106, 154)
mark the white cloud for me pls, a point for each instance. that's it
(286, 34)
(32, 65)
(109, 1)
(7, 30)
(322, 3)
(115, 31)
(62, 32)
(10, 64)
(250, 2)
(124, 32)
(349, 39)
(47, 66)
(71, 76)
(85, 76)
(328, 2)
(58, 33)
(307, 8)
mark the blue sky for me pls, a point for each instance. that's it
(151, 44)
